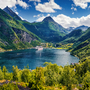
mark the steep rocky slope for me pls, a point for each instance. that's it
(13, 35)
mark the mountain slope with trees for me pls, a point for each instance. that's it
(13, 35)
(72, 37)
(48, 29)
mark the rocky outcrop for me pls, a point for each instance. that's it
(24, 36)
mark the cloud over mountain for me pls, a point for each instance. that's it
(67, 21)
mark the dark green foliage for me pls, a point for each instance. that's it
(82, 50)
(35, 43)
(1, 74)
(83, 39)
(25, 76)
(52, 74)
(72, 37)
(9, 86)
(39, 79)
(15, 73)
(4, 70)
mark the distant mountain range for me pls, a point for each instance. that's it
(83, 28)
(70, 29)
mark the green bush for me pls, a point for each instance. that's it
(1, 74)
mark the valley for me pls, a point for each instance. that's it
(17, 34)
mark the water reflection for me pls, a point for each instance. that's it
(36, 58)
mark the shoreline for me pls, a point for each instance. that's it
(10, 50)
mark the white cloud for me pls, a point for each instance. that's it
(17, 13)
(48, 15)
(66, 21)
(82, 3)
(72, 8)
(23, 18)
(48, 7)
(35, 0)
(35, 3)
(89, 7)
(12, 3)
(75, 9)
(41, 17)
(22, 4)
(72, 12)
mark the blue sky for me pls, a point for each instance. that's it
(68, 13)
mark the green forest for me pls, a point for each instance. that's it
(51, 77)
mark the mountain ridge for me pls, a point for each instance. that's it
(48, 19)
(11, 13)
(82, 27)
(48, 29)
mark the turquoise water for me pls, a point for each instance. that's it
(35, 58)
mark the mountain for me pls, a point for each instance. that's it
(72, 37)
(77, 35)
(13, 35)
(83, 28)
(82, 50)
(54, 25)
(11, 13)
(81, 47)
(70, 29)
(48, 19)
(47, 30)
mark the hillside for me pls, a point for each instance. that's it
(13, 35)
(47, 30)
(82, 50)
(83, 37)
(81, 47)
(72, 37)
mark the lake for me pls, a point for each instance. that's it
(36, 58)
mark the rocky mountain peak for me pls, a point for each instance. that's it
(48, 19)
(11, 13)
